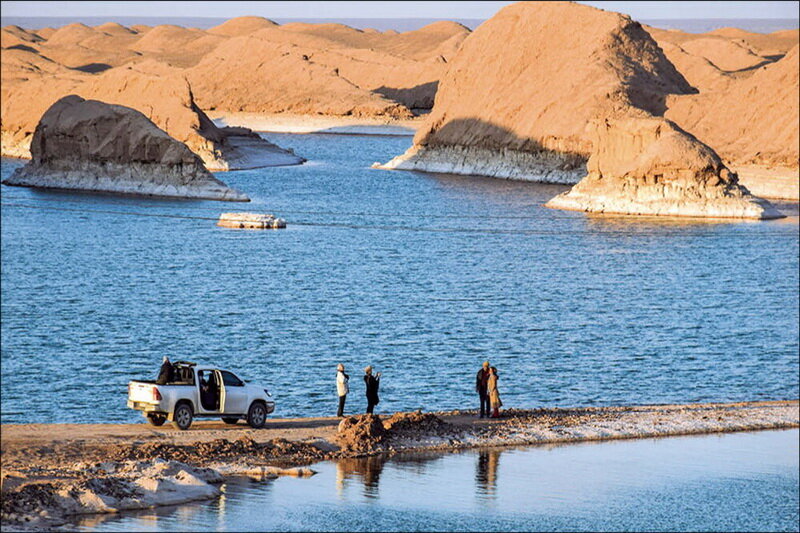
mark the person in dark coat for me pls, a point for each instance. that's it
(373, 382)
(482, 388)
(165, 375)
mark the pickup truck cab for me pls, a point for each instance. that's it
(200, 391)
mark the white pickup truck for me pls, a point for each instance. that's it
(200, 391)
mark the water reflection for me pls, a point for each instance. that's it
(367, 470)
(743, 481)
(486, 473)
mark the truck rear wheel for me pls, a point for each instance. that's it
(182, 418)
(156, 419)
(230, 420)
(257, 415)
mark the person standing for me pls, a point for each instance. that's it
(165, 374)
(372, 382)
(342, 387)
(494, 394)
(481, 384)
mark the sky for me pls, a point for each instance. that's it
(372, 9)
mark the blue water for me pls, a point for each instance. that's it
(421, 276)
(734, 482)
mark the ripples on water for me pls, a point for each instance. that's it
(734, 482)
(422, 276)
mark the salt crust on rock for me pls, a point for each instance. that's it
(93, 146)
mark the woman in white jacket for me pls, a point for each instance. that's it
(341, 387)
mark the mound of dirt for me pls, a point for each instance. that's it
(362, 433)
(243, 449)
(415, 423)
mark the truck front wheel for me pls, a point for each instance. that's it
(156, 419)
(257, 415)
(182, 418)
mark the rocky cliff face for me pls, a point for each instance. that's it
(93, 146)
(649, 166)
(517, 97)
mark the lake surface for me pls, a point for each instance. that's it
(733, 482)
(422, 276)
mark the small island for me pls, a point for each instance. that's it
(92, 146)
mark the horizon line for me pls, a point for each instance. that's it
(364, 18)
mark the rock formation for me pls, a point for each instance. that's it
(93, 146)
(754, 120)
(517, 97)
(649, 166)
(746, 107)
(155, 89)
(327, 69)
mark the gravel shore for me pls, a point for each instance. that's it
(50, 471)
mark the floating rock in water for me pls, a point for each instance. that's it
(250, 221)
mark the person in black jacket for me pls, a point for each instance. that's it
(481, 387)
(165, 375)
(372, 382)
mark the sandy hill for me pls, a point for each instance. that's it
(165, 38)
(114, 28)
(159, 91)
(71, 34)
(754, 120)
(45, 33)
(525, 84)
(540, 86)
(746, 107)
(324, 68)
(767, 45)
(725, 55)
(22, 34)
(228, 80)
(20, 65)
(239, 26)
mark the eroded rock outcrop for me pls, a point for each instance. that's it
(518, 95)
(751, 120)
(649, 166)
(93, 146)
(158, 91)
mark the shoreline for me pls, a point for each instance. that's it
(52, 471)
(296, 123)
